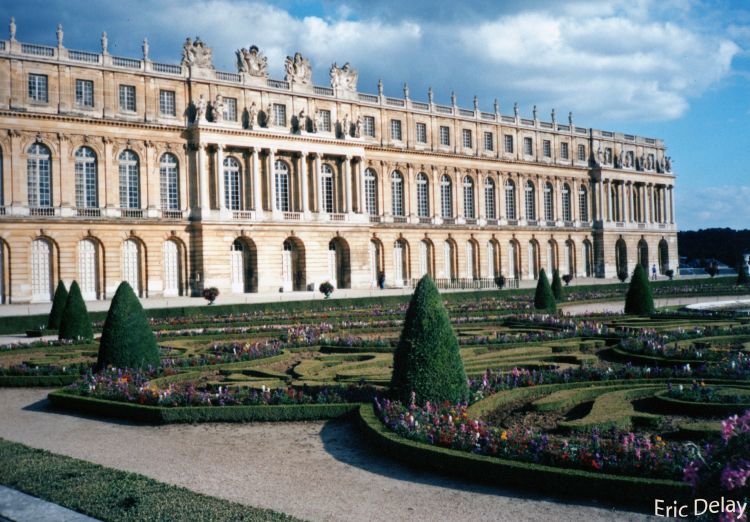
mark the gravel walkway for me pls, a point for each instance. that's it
(313, 470)
(619, 305)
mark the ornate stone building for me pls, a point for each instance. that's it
(175, 177)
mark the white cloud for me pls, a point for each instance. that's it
(717, 206)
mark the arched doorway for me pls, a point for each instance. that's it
(293, 275)
(643, 254)
(514, 260)
(172, 268)
(450, 261)
(588, 259)
(4, 264)
(621, 257)
(533, 259)
(400, 262)
(493, 259)
(131, 265)
(244, 266)
(339, 263)
(663, 256)
(88, 269)
(569, 259)
(41, 271)
(552, 262)
(472, 260)
(377, 265)
(426, 258)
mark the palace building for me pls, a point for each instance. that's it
(177, 177)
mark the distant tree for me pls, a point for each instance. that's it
(712, 269)
(567, 278)
(544, 299)
(500, 281)
(639, 300)
(557, 290)
(326, 288)
(75, 322)
(742, 277)
(58, 305)
(210, 294)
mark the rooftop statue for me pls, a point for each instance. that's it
(252, 62)
(344, 78)
(196, 54)
(298, 69)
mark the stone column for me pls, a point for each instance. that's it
(671, 205)
(272, 180)
(205, 201)
(319, 184)
(348, 183)
(361, 187)
(220, 177)
(500, 197)
(436, 201)
(257, 186)
(303, 175)
(480, 213)
(646, 204)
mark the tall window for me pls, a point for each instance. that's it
(445, 135)
(423, 198)
(167, 103)
(41, 270)
(614, 203)
(566, 210)
(327, 188)
(325, 121)
(396, 130)
(421, 132)
(84, 93)
(281, 178)
(583, 204)
(470, 260)
(528, 146)
(490, 205)
(489, 141)
(230, 109)
(171, 268)
(127, 98)
(446, 197)
(85, 172)
(88, 269)
(448, 256)
(510, 199)
(581, 152)
(279, 114)
(168, 183)
(564, 150)
(467, 138)
(131, 263)
(130, 196)
(38, 88)
(232, 183)
(39, 176)
(397, 193)
(371, 192)
(368, 126)
(547, 148)
(530, 200)
(549, 202)
(469, 197)
(508, 141)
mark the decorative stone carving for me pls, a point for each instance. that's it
(346, 126)
(318, 121)
(302, 121)
(12, 29)
(358, 127)
(59, 33)
(668, 163)
(144, 47)
(251, 61)
(252, 116)
(268, 115)
(218, 109)
(344, 78)
(105, 42)
(298, 69)
(200, 109)
(197, 54)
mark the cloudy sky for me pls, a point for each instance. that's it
(672, 69)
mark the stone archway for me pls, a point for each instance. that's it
(293, 269)
(339, 263)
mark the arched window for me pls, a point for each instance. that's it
(588, 259)
(168, 183)
(397, 193)
(510, 199)
(399, 262)
(551, 257)
(492, 257)
(326, 194)
(549, 202)
(471, 260)
(530, 194)
(446, 197)
(281, 178)
(371, 192)
(448, 256)
(41, 270)
(232, 191)
(131, 264)
(39, 175)
(567, 215)
(514, 262)
(88, 269)
(2, 187)
(490, 204)
(469, 197)
(423, 198)
(583, 204)
(425, 257)
(85, 172)
(614, 204)
(130, 192)
(172, 267)
(533, 260)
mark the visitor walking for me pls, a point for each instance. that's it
(653, 272)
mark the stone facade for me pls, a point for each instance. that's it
(179, 177)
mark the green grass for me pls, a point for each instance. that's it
(113, 495)
(614, 409)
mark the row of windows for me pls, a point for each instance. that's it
(39, 177)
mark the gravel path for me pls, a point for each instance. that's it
(313, 470)
(618, 306)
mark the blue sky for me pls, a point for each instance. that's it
(673, 69)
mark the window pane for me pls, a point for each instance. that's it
(167, 103)
(85, 93)
(38, 87)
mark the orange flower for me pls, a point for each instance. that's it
(504, 435)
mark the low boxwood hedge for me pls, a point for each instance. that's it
(560, 482)
(191, 414)
(41, 381)
(662, 402)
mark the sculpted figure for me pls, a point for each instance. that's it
(252, 62)
(200, 109)
(346, 126)
(358, 127)
(252, 116)
(643, 161)
(298, 69)
(268, 115)
(218, 109)
(343, 78)
(302, 121)
(105, 42)
(668, 163)
(599, 156)
(197, 54)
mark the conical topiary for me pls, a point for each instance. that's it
(557, 290)
(58, 305)
(742, 277)
(75, 323)
(544, 299)
(639, 300)
(127, 340)
(427, 360)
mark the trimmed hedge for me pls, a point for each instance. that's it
(665, 404)
(74, 322)
(58, 305)
(40, 381)
(544, 299)
(557, 289)
(190, 414)
(111, 494)
(639, 299)
(559, 482)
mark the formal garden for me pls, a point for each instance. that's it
(501, 387)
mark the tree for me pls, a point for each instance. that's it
(544, 299)
(75, 323)
(742, 277)
(557, 285)
(58, 305)
(427, 361)
(210, 294)
(639, 300)
(127, 340)
(326, 288)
